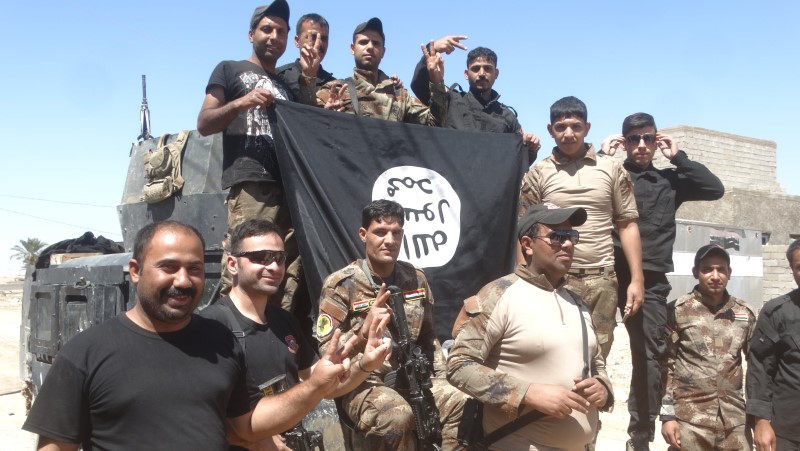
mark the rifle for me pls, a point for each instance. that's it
(297, 438)
(414, 376)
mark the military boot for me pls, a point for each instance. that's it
(639, 441)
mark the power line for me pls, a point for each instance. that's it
(56, 201)
(62, 223)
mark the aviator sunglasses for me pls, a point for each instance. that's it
(561, 236)
(263, 257)
(648, 138)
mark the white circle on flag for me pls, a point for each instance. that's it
(432, 213)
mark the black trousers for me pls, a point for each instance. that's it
(647, 332)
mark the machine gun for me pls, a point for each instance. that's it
(144, 114)
(414, 378)
(297, 438)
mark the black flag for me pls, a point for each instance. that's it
(459, 191)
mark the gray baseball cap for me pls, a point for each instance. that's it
(373, 24)
(278, 8)
(549, 214)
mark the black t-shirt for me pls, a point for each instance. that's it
(118, 386)
(276, 348)
(248, 148)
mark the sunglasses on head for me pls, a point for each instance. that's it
(263, 257)
(648, 138)
(561, 236)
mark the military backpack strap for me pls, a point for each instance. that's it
(236, 327)
(351, 88)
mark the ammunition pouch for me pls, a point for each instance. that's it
(162, 168)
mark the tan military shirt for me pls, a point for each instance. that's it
(378, 98)
(347, 295)
(595, 182)
(527, 332)
(703, 368)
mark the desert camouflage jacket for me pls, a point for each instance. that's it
(476, 355)
(380, 99)
(347, 295)
(703, 363)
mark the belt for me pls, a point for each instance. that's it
(583, 272)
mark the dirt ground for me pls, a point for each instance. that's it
(12, 403)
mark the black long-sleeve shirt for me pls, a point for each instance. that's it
(773, 366)
(659, 193)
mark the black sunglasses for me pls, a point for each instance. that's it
(648, 138)
(263, 257)
(561, 236)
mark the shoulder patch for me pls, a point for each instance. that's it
(363, 305)
(324, 325)
(415, 295)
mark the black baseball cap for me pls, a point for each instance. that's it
(549, 214)
(710, 249)
(278, 8)
(373, 24)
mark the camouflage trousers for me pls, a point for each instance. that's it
(600, 294)
(384, 422)
(265, 200)
(700, 438)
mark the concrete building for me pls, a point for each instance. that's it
(754, 201)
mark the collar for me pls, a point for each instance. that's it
(494, 98)
(700, 297)
(559, 158)
(371, 77)
(537, 280)
(633, 167)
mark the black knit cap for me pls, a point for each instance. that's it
(373, 24)
(549, 214)
(278, 8)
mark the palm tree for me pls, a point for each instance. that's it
(28, 250)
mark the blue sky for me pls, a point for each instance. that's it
(73, 71)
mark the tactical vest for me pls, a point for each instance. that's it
(162, 168)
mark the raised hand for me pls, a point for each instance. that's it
(435, 63)
(334, 366)
(335, 100)
(310, 58)
(449, 44)
(378, 348)
(667, 145)
(610, 145)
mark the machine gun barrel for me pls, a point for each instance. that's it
(144, 114)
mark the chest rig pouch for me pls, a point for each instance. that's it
(162, 168)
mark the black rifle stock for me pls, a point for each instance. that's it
(414, 375)
(297, 438)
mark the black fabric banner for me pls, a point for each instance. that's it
(459, 191)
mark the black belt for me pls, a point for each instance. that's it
(583, 272)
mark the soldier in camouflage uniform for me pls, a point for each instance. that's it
(533, 346)
(577, 176)
(378, 95)
(703, 406)
(350, 298)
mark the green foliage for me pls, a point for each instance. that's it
(28, 250)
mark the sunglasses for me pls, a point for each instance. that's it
(263, 257)
(648, 138)
(560, 237)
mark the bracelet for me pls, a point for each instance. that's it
(360, 367)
